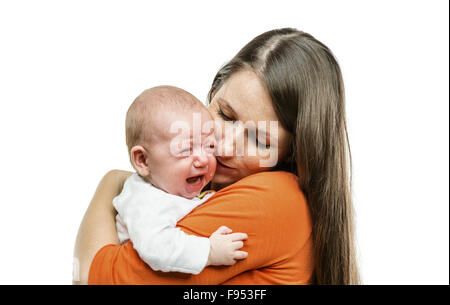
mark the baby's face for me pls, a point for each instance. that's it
(182, 157)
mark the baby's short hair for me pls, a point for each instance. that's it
(148, 103)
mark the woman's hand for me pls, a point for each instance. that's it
(98, 227)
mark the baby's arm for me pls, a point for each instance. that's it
(173, 250)
(151, 222)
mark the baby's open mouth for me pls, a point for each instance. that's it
(195, 180)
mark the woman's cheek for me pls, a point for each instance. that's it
(250, 164)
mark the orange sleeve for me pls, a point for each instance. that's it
(268, 206)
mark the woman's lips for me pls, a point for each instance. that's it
(222, 166)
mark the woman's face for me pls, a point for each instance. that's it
(242, 102)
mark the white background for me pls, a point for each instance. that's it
(70, 69)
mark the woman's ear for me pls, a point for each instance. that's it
(140, 160)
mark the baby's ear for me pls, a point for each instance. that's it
(139, 159)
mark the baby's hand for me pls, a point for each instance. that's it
(224, 247)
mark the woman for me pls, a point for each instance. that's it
(297, 214)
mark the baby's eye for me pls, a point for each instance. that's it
(185, 152)
(210, 147)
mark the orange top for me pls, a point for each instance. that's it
(268, 206)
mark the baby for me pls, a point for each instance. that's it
(171, 172)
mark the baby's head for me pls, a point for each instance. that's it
(170, 139)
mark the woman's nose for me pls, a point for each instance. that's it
(231, 141)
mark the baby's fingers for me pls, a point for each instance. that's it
(223, 230)
(237, 244)
(238, 236)
(240, 255)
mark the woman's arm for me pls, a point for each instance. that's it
(98, 226)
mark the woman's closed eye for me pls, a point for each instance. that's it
(223, 115)
(250, 135)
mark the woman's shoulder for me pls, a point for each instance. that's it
(271, 187)
(275, 203)
(277, 182)
(272, 177)
(268, 206)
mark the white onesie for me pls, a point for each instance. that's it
(147, 216)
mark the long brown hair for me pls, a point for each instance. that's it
(305, 83)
